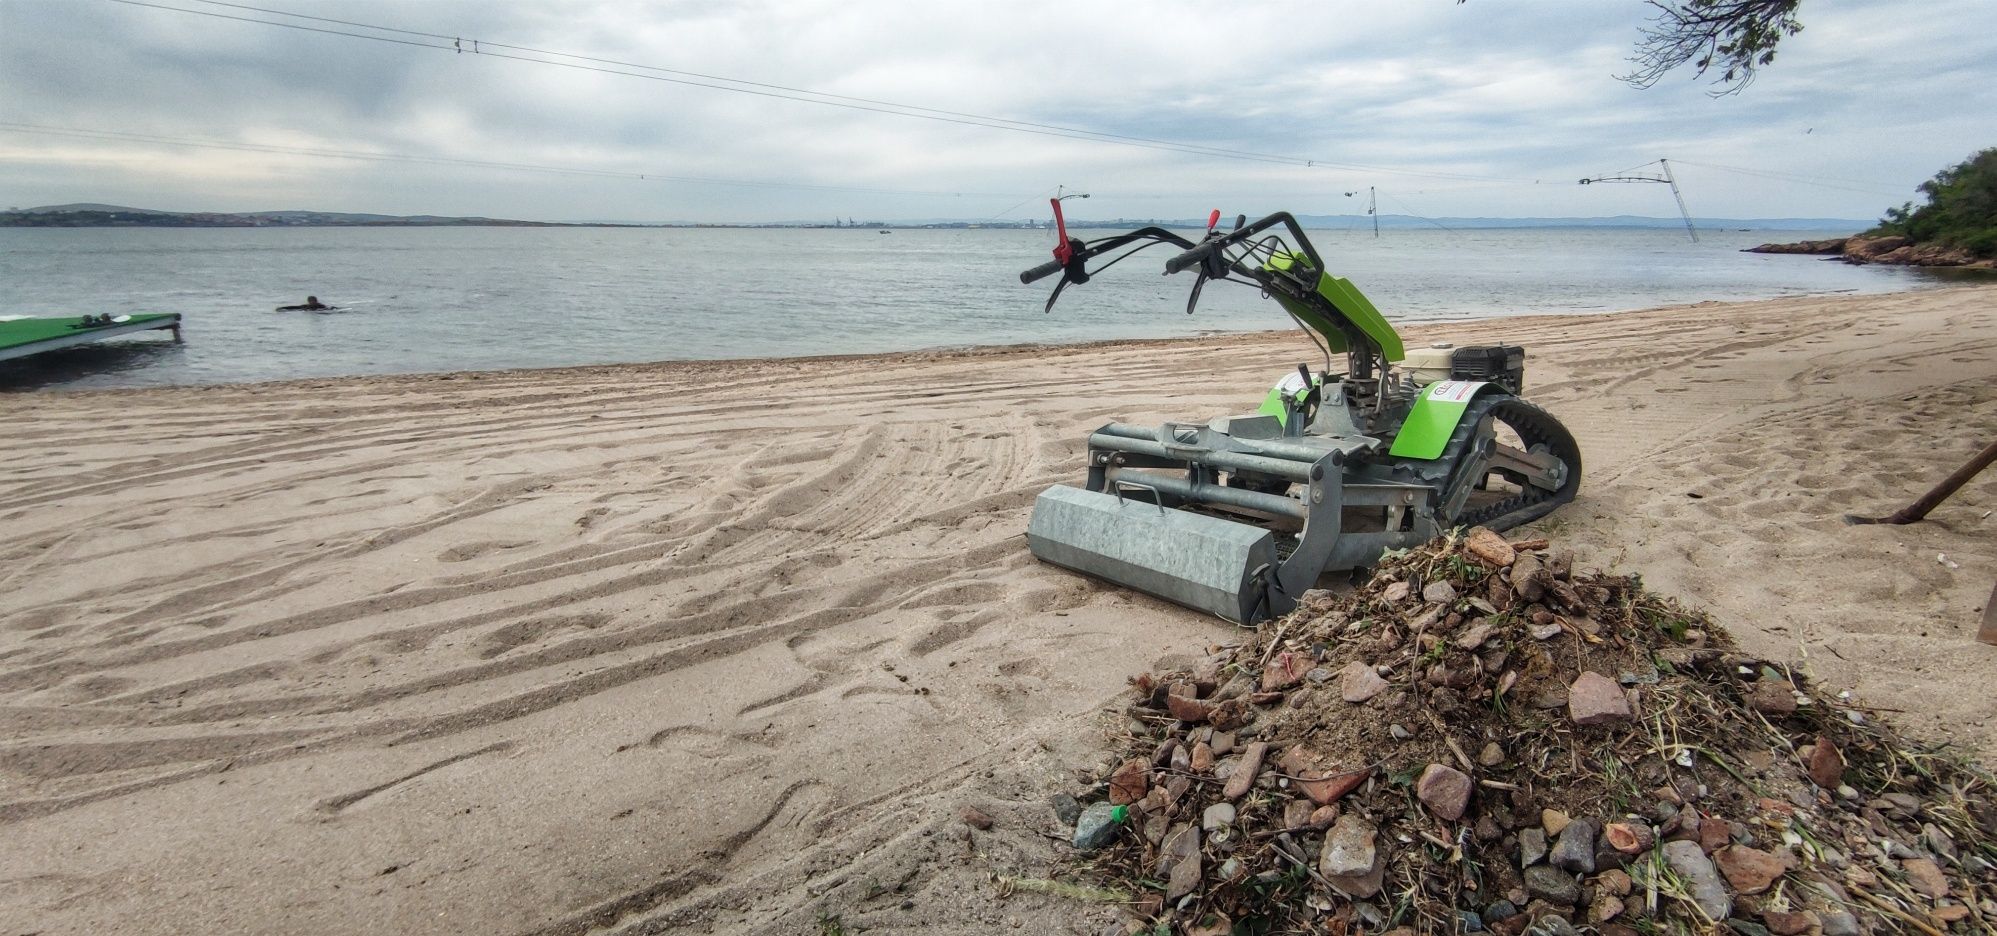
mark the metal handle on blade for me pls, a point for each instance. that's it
(1156, 498)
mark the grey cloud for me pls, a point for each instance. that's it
(1484, 89)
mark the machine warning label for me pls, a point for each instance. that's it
(1454, 391)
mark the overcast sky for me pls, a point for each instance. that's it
(1492, 108)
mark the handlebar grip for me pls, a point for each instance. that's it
(1189, 258)
(1044, 270)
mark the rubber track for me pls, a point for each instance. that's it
(1534, 426)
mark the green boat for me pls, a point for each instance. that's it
(20, 337)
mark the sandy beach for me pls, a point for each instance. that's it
(726, 647)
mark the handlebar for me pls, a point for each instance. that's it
(1042, 271)
(1191, 257)
(1206, 248)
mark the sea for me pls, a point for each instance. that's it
(415, 300)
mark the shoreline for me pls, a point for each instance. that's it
(703, 646)
(947, 352)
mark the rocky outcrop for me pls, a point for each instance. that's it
(1833, 246)
(1892, 249)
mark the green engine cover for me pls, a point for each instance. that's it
(1345, 300)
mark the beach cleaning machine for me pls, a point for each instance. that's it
(1240, 515)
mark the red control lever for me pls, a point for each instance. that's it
(1213, 220)
(1061, 249)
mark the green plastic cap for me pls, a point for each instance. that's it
(1119, 815)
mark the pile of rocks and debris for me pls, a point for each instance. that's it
(1483, 738)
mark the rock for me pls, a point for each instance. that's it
(1351, 861)
(1532, 847)
(1285, 669)
(1551, 923)
(1067, 809)
(1825, 765)
(1595, 699)
(1489, 548)
(1237, 687)
(1750, 870)
(1925, 877)
(1222, 743)
(1444, 790)
(1297, 813)
(1834, 245)
(1320, 784)
(1474, 637)
(1607, 857)
(1840, 923)
(1245, 772)
(1499, 910)
(1747, 927)
(1096, 826)
(1869, 249)
(1615, 882)
(1395, 592)
(1187, 709)
(1714, 834)
(1350, 848)
(1528, 578)
(1181, 760)
(1179, 861)
(1547, 631)
(1554, 821)
(1575, 849)
(1438, 592)
(1789, 922)
(1231, 715)
(1323, 816)
(1486, 830)
(1398, 733)
(1772, 697)
(1552, 885)
(1201, 760)
(1129, 783)
(1953, 913)
(1630, 838)
(1605, 908)
(1701, 878)
(1357, 682)
(1492, 755)
(1217, 817)
(975, 818)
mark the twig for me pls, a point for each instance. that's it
(1868, 897)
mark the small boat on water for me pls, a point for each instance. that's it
(22, 335)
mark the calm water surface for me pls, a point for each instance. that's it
(445, 299)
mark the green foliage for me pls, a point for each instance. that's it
(1961, 211)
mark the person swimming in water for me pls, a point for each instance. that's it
(312, 304)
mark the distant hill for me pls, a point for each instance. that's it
(96, 215)
(86, 214)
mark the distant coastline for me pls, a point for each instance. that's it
(71, 216)
(92, 215)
